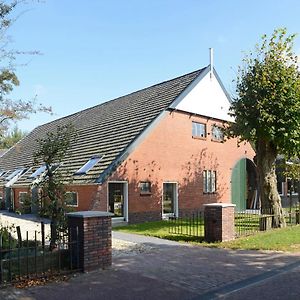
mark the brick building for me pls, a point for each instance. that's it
(155, 153)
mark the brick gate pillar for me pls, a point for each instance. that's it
(219, 222)
(94, 238)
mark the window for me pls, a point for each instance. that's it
(217, 133)
(280, 187)
(292, 184)
(15, 173)
(22, 197)
(38, 172)
(71, 199)
(145, 187)
(2, 173)
(88, 165)
(198, 130)
(209, 181)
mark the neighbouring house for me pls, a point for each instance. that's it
(288, 188)
(155, 153)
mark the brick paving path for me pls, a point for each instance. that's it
(169, 270)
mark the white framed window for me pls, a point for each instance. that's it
(292, 184)
(280, 187)
(22, 197)
(71, 199)
(217, 133)
(198, 130)
(145, 187)
(209, 181)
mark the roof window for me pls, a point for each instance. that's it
(2, 173)
(38, 172)
(15, 173)
(88, 165)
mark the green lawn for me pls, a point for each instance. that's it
(286, 239)
(158, 229)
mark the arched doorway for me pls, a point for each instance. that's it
(244, 192)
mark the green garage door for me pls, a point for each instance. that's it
(238, 185)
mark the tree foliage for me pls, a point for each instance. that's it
(267, 105)
(11, 138)
(266, 109)
(11, 109)
(51, 151)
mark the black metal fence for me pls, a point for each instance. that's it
(252, 221)
(21, 259)
(246, 222)
(189, 225)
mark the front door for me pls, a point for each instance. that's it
(116, 199)
(169, 201)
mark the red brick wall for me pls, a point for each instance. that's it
(87, 194)
(16, 192)
(169, 153)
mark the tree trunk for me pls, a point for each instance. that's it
(266, 154)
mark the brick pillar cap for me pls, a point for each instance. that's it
(89, 214)
(219, 205)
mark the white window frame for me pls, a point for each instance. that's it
(70, 205)
(125, 191)
(196, 131)
(21, 202)
(214, 138)
(176, 206)
(145, 182)
(209, 181)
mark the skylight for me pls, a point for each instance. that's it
(15, 173)
(2, 173)
(88, 165)
(38, 172)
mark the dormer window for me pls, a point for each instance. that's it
(88, 165)
(198, 130)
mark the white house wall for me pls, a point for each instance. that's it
(206, 98)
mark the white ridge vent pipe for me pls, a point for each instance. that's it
(211, 61)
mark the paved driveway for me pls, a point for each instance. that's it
(169, 270)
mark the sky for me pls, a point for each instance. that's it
(94, 51)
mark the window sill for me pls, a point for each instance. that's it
(145, 193)
(199, 138)
(217, 141)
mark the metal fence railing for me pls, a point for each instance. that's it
(21, 259)
(252, 221)
(246, 222)
(191, 225)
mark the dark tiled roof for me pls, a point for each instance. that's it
(106, 129)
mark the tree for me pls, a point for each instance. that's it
(11, 109)
(11, 138)
(267, 110)
(52, 150)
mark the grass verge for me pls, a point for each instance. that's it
(284, 239)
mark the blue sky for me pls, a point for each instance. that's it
(96, 50)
